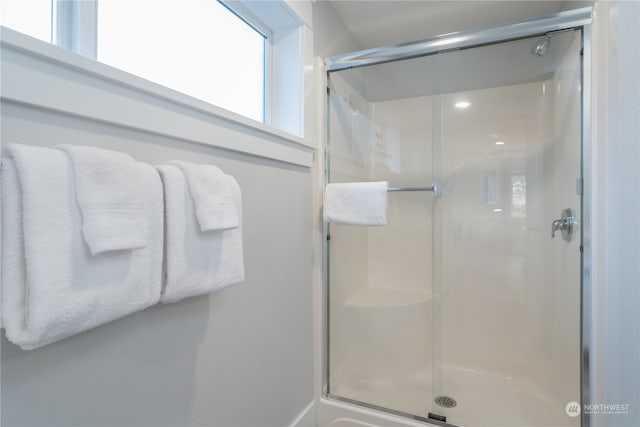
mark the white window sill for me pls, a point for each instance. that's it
(48, 77)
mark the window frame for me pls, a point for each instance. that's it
(75, 28)
(288, 71)
(254, 22)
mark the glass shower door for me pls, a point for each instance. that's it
(380, 277)
(507, 288)
(463, 307)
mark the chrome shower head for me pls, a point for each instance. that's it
(541, 46)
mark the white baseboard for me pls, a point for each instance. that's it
(306, 418)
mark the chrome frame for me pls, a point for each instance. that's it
(326, 261)
(462, 40)
(573, 19)
(586, 261)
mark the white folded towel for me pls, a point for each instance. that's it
(52, 287)
(110, 194)
(212, 196)
(197, 262)
(356, 203)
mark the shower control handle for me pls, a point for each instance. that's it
(564, 225)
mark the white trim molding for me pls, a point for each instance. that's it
(43, 76)
(306, 418)
(290, 52)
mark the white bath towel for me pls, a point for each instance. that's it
(356, 203)
(197, 262)
(52, 287)
(110, 192)
(212, 195)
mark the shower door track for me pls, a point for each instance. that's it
(578, 19)
(462, 40)
(389, 411)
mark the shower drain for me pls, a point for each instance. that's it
(445, 401)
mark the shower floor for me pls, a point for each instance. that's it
(484, 398)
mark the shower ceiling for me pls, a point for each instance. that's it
(493, 66)
(380, 23)
(383, 23)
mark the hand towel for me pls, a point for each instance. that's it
(52, 286)
(356, 203)
(212, 196)
(196, 261)
(110, 193)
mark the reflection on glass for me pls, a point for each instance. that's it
(489, 190)
(519, 196)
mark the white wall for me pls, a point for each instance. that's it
(330, 36)
(616, 290)
(238, 357)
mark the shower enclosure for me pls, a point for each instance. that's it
(465, 309)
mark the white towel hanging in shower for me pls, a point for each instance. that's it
(356, 203)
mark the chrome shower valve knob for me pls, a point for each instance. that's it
(564, 225)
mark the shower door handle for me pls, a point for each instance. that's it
(564, 225)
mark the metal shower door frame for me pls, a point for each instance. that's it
(572, 19)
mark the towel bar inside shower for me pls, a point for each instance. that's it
(410, 188)
(435, 189)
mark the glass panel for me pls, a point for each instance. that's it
(197, 47)
(31, 17)
(509, 293)
(463, 305)
(380, 300)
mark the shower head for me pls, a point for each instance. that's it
(541, 46)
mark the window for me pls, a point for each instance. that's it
(32, 17)
(242, 55)
(198, 47)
